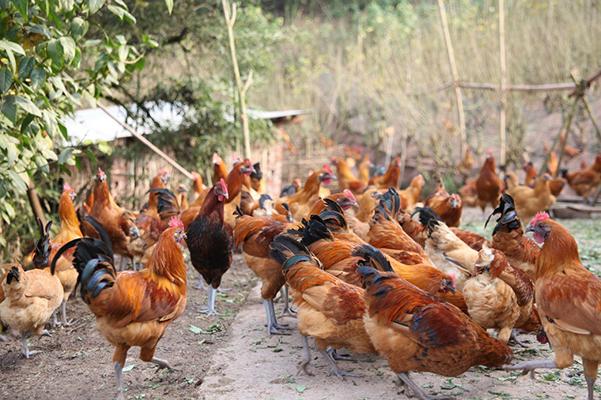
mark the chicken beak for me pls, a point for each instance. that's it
(134, 232)
(530, 228)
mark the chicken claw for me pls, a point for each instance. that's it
(337, 371)
(161, 363)
(531, 366)
(338, 356)
(25, 348)
(306, 358)
(417, 391)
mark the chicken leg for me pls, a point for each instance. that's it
(417, 391)
(273, 328)
(119, 376)
(531, 366)
(210, 310)
(334, 367)
(25, 348)
(161, 363)
(65, 321)
(306, 357)
(288, 312)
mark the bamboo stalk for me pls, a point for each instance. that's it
(230, 19)
(148, 143)
(503, 83)
(544, 87)
(34, 202)
(587, 107)
(566, 127)
(455, 75)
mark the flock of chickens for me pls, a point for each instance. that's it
(370, 268)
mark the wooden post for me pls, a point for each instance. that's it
(502, 87)
(34, 202)
(230, 19)
(148, 143)
(453, 65)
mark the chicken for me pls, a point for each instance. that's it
(363, 168)
(257, 183)
(553, 163)
(301, 202)
(346, 179)
(491, 303)
(118, 222)
(469, 193)
(447, 252)
(210, 241)
(467, 163)
(531, 174)
(509, 238)
(289, 190)
(386, 234)
(255, 234)
(366, 204)
(556, 185)
(329, 309)
(391, 176)
(234, 182)
(472, 239)
(219, 168)
(447, 206)
(488, 184)
(69, 230)
(29, 298)
(199, 188)
(182, 197)
(585, 181)
(568, 298)
(132, 308)
(340, 257)
(416, 332)
(529, 201)
(410, 195)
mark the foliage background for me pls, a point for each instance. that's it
(359, 65)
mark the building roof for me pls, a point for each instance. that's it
(92, 125)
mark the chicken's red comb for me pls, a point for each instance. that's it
(327, 168)
(67, 187)
(223, 185)
(176, 222)
(540, 216)
(349, 194)
(100, 172)
(217, 159)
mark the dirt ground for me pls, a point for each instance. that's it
(231, 357)
(76, 361)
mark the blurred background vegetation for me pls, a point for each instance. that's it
(359, 65)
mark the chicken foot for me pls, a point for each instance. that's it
(339, 356)
(273, 328)
(334, 367)
(160, 363)
(514, 338)
(306, 357)
(25, 348)
(417, 391)
(531, 366)
(288, 311)
(200, 284)
(210, 310)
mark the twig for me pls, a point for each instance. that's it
(148, 144)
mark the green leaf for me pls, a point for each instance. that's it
(22, 6)
(25, 67)
(122, 13)
(79, 27)
(10, 211)
(128, 368)
(300, 388)
(195, 330)
(27, 105)
(55, 51)
(11, 46)
(6, 79)
(12, 153)
(169, 4)
(18, 181)
(68, 45)
(37, 76)
(9, 108)
(95, 5)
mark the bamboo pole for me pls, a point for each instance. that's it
(148, 143)
(455, 75)
(519, 87)
(503, 83)
(566, 127)
(34, 202)
(230, 19)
